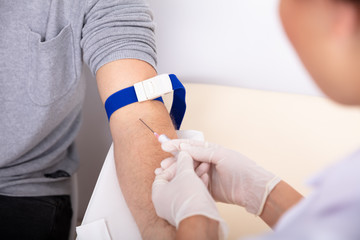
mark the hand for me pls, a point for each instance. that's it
(233, 178)
(178, 193)
(201, 169)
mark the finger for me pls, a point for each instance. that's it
(202, 169)
(184, 162)
(158, 171)
(167, 162)
(170, 172)
(161, 178)
(205, 179)
(167, 174)
(201, 153)
(196, 164)
(174, 145)
(157, 185)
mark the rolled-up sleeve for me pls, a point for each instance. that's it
(117, 29)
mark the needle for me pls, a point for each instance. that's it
(147, 126)
(161, 138)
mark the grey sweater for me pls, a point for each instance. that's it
(42, 48)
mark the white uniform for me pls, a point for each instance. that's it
(331, 212)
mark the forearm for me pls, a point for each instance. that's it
(198, 227)
(137, 152)
(281, 198)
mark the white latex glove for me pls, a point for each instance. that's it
(178, 193)
(233, 178)
(200, 168)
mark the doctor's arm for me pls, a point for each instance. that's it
(279, 201)
(137, 152)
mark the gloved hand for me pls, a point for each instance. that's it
(178, 193)
(200, 168)
(233, 178)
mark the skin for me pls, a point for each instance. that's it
(137, 152)
(281, 199)
(326, 36)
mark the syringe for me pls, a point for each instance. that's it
(161, 138)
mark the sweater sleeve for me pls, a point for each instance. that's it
(117, 29)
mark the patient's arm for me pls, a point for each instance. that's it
(137, 151)
(281, 199)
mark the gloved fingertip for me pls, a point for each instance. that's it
(158, 171)
(167, 162)
(168, 146)
(163, 164)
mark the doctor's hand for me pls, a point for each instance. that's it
(178, 193)
(233, 178)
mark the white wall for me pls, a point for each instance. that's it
(233, 42)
